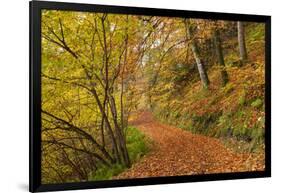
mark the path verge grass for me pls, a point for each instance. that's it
(137, 145)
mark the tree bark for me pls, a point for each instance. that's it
(119, 132)
(94, 92)
(220, 57)
(241, 41)
(201, 69)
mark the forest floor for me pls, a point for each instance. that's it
(177, 152)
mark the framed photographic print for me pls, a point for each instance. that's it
(123, 96)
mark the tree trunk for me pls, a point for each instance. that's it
(202, 72)
(220, 57)
(241, 41)
(94, 92)
(119, 132)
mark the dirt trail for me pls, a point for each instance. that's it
(179, 152)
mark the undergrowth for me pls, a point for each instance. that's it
(137, 144)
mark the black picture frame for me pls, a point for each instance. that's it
(35, 95)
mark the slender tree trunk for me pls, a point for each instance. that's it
(202, 72)
(110, 97)
(102, 121)
(241, 41)
(122, 92)
(220, 57)
(119, 132)
(122, 75)
(94, 92)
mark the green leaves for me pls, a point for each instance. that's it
(257, 103)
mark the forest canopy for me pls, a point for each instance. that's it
(100, 70)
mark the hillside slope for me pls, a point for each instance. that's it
(234, 112)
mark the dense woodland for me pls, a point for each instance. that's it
(100, 70)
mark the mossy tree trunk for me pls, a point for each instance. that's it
(241, 41)
(220, 57)
(201, 69)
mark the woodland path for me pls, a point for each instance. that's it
(178, 152)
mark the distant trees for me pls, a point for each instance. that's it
(241, 41)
